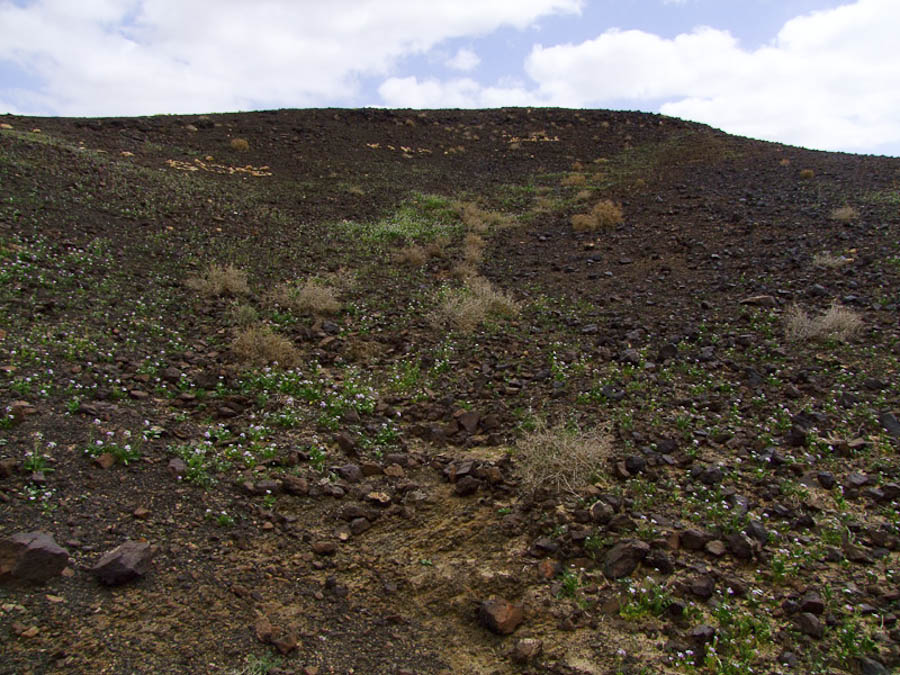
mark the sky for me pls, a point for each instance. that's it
(822, 74)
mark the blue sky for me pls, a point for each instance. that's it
(818, 73)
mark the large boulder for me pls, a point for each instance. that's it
(31, 556)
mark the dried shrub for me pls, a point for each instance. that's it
(844, 214)
(473, 248)
(478, 220)
(826, 260)
(313, 296)
(560, 460)
(463, 271)
(243, 315)
(605, 213)
(437, 248)
(240, 144)
(467, 307)
(583, 195)
(838, 323)
(259, 345)
(414, 255)
(806, 174)
(785, 162)
(218, 281)
(574, 180)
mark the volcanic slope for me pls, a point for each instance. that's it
(507, 391)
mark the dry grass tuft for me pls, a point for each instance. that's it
(560, 460)
(838, 323)
(243, 315)
(473, 248)
(240, 144)
(806, 174)
(467, 307)
(313, 297)
(826, 260)
(844, 214)
(480, 221)
(259, 345)
(413, 255)
(784, 162)
(605, 214)
(218, 281)
(574, 180)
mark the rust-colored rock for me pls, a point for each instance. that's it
(499, 615)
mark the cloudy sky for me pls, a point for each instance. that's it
(823, 74)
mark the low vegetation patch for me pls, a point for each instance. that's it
(219, 281)
(838, 323)
(467, 307)
(560, 459)
(240, 144)
(844, 214)
(312, 296)
(605, 213)
(259, 345)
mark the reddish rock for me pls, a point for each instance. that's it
(499, 615)
(126, 562)
(31, 556)
(324, 547)
(105, 461)
(176, 468)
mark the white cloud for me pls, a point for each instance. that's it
(828, 80)
(115, 57)
(465, 60)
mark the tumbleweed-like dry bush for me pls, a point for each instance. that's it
(838, 323)
(240, 144)
(844, 214)
(259, 345)
(605, 213)
(467, 307)
(313, 296)
(219, 280)
(561, 460)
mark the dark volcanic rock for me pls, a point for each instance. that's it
(31, 556)
(624, 557)
(124, 563)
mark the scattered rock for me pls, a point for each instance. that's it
(31, 556)
(890, 423)
(622, 559)
(810, 624)
(526, 650)
(322, 547)
(177, 468)
(126, 562)
(499, 615)
(295, 485)
(467, 485)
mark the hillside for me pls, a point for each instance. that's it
(509, 391)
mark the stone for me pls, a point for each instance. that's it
(467, 485)
(105, 460)
(694, 540)
(715, 547)
(702, 634)
(810, 624)
(740, 545)
(32, 557)
(324, 547)
(526, 650)
(760, 301)
(756, 530)
(127, 562)
(469, 420)
(811, 602)
(869, 666)
(350, 473)
(177, 468)
(295, 485)
(394, 471)
(890, 423)
(703, 586)
(601, 512)
(499, 615)
(622, 559)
